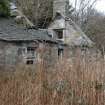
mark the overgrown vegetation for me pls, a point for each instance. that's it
(71, 82)
(4, 8)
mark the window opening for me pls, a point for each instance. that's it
(59, 34)
(29, 62)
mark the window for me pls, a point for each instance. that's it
(59, 34)
(60, 52)
(29, 62)
(31, 50)
(30, 55)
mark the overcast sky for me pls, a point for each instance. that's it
(100, 5)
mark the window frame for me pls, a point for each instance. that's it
(59, 33)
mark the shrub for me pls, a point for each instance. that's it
(4, 8)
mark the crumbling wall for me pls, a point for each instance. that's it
(11, 53)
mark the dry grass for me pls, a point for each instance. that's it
(80, 81)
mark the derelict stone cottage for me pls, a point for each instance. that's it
(21, 45)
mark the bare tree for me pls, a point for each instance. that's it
(38, 11)
(96, 29)
(82, 10)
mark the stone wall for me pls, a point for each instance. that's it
(2, 53)
(11, 54)
(8, 53)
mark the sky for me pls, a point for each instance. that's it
(100, 5)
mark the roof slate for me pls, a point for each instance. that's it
(10, 31)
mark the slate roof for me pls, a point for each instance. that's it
(10, 31)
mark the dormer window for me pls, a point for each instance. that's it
(59, 33)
